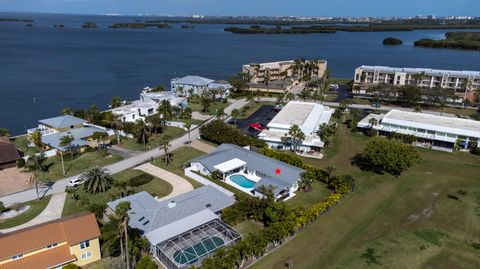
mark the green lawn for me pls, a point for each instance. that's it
(318, 193)
(75, 166)
(36, 207)
(330, 97)
(22, 144)
(249, 111)
(247, 227)
(413, 221)
(156, 187)
(197, 106)
(153, 141)
(179, 158)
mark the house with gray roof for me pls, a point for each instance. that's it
(184, 229)
(53, 129)
(249, 171)
(197, 85)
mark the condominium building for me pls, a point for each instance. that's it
(74, 239)
(462, 82)
(293, 69)
(432, 131)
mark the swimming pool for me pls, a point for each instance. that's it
(242, 181)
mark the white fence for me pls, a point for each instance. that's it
(189, 173)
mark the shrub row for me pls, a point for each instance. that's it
(140, 180)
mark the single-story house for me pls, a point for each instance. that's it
(53, 129)
(249, 171)
(183, 230)
(8, 154)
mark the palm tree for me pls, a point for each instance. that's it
(36, 139)
(205, 101)
(373, 122)
(290, 96)
(155, 122)
(96, 180)
(188, 126)
(4, 132)
(298, 136)
(66, 141)
(66, 111)
(165, 145)
(141, 132)
(165, 109)
(235, 114)
(35, 166)
(117, 125)
(116, 102)
(417, 109)
(121, 212)
(304, 94)
(220, 113)
(250, 99)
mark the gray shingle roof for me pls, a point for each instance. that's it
(64, 121)
(288, 174)
(79, 135)
(147, 214)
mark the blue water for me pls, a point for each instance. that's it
(242, 181)
(77, 67)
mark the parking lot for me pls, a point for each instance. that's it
(263, 116)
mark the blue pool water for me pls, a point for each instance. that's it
(242, 181)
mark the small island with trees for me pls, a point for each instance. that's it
(392, 41)
(453, 40)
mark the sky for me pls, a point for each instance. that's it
(328, 8)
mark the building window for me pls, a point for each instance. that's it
(85, 244)
(52, 245)
(16, 257)
(86, 255)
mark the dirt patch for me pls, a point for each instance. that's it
(13, 180)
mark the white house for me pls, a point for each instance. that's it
(308, 116)
(147, 105)
(249, 171)
(432, 131)
(199, 85)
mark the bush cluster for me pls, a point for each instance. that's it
(219, 132)
(140, 180)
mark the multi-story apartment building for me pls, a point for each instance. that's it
(463, 83)
(53, 244)
(294, 69)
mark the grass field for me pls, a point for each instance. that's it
(22, 143)
(153, 141)
(249, 111)
(179, 158)
(75, 166)
(413, 221)
(212, 109)
(247, 227)
(156, 187)
(36, 207)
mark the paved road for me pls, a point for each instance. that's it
(130, 162)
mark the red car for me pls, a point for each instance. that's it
(256, 126)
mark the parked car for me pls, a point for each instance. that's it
(256, 126)
(75, 182)
(277, 108)
(334, 87)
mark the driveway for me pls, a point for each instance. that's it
(202, 146)
(179, 184)
(53, 211)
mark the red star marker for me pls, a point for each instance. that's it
(277, 171)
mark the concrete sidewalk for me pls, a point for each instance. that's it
(179, 184)
(53, 211)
